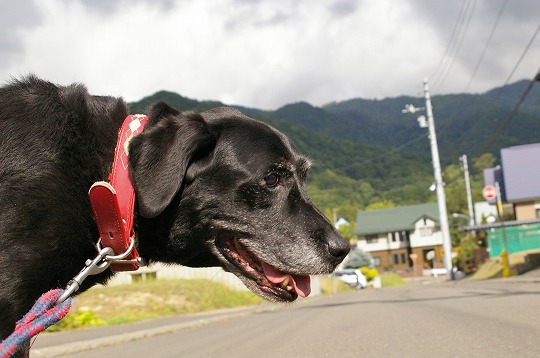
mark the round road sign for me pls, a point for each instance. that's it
(489, 192)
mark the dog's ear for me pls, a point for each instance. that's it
(161, 154)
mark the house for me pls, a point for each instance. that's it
(341, 222)
(521, 172)
(519, 180)
(401, 238)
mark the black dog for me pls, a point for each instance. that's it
(213, 189)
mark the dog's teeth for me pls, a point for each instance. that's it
(289, 288)
(285, 283)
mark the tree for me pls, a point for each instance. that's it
(358, 258)
(486, 160)
(346, 230)
(468, 245)
(385, 204)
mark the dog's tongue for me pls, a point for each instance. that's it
(300, 283)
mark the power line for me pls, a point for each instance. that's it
(495, 136)
(393, 150)
(463, 35)
(452, 117)
(510, 116)
(522, 55)
(452, 40)
(488, 42)
(384, 154)
(447, 123)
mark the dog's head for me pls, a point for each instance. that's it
(223, 189)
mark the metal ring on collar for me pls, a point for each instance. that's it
(117, 257)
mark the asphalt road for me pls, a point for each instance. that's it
(497, 318)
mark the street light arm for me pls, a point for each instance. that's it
(409, 108)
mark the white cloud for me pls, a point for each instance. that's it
(266, 53)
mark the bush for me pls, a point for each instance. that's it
(78, 319)
(370, 273)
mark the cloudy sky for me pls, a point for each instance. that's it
(267, 53)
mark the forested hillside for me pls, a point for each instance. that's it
(367, 154)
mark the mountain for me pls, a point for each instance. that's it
(177, 101)
(465, 123)
(510, 94)
(346, 120)
(366, 151)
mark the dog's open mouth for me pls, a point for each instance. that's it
(262, 278)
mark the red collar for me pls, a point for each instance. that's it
(113, 202)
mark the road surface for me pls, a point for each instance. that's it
(496, 318)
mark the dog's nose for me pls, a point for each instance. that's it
(338, 247)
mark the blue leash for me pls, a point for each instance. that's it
(43, 314)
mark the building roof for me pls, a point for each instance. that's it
(394, 219)
(341, 222)
(521, 169)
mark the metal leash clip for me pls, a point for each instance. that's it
(92, 267)
(100, 263)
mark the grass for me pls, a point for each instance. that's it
(101, 306)
(492, 268)
(389, 279)
(331, 285)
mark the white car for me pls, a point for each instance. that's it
(353, 278)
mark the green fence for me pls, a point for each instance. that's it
(518, 238)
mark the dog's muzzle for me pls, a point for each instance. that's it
(262, 278)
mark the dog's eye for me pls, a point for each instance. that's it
(272, 180)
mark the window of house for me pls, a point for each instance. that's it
(426, 231)
(371, 239)
(400, 258)
(538, 213)
(376, 260)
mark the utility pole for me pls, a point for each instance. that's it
(463, 160)
(441, 196)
